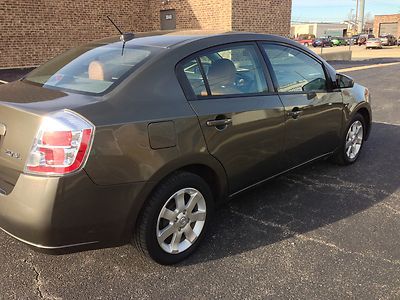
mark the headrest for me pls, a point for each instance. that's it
(96, 70)
(222, 72)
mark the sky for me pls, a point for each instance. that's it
(338, 10)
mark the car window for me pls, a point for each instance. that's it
(294, 70)
(235, 70)
(193, 74)
(90, 69)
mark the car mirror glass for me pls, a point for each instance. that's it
(344, 81)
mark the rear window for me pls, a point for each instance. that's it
(92, 69)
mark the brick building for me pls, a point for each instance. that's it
(387, 24)
(34, 31)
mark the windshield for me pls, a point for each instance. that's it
(91, 69)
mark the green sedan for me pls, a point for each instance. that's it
(338, 41)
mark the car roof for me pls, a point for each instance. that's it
(170, 39)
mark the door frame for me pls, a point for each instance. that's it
(330, 87)
(187, 89)
(173, 12)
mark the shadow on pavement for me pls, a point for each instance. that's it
(305, 200)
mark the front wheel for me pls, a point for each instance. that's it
(175, 218)
(352, 142)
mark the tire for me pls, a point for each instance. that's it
(177, 223)
(344, 156)
(306, 44)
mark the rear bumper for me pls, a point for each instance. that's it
(58, 213)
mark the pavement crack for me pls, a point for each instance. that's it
(392, 209)
(345, 251)
(39, 284)
(38, 281)
(288, 232)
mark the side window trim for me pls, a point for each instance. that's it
(204, 75)
(188, 90)
(267, 61)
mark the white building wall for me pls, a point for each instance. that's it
(323, 29)
(318, 29)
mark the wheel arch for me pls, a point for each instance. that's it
(367, 118)
(203, 165)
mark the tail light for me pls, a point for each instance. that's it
(62, 144)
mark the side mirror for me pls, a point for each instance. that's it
(344, 81)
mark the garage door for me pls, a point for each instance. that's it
(388, 28)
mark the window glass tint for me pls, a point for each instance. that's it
(193, 74)
(294, 70)
(234, 70)
(90, 69)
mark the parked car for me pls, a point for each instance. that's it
(354, 39)
(143, 137)
(388, 40)
(362, 40)
(374, 43)
(338, 41)
(305, 39)
(322, 42)
(349, 41)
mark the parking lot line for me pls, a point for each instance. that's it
(368, 67)
(4, 82)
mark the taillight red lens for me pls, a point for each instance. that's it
(57, 138)
(62, 145)
(53, 156)
(81, 152)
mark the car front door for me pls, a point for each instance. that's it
(242, 122)
(313, 111)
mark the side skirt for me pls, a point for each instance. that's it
(286, 171)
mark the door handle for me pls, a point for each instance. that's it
(219, 122)
(295, 113)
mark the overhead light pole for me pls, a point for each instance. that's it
(361, 16)
(356, 20)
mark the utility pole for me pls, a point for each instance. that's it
(356, 20)
(361, 16)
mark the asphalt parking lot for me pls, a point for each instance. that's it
(321, 232)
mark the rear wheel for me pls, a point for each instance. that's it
(352, 142)
(175, 218)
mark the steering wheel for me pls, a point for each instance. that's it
(243, 82)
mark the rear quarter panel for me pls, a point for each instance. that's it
(122, 151)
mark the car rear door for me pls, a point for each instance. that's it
(242, 121)
(313, 111)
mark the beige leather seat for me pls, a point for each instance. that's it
(221, 77)
(96, 71)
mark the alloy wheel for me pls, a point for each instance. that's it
(181, 220)
(354, 140)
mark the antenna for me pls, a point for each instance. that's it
(125, 37)
(112, 22)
